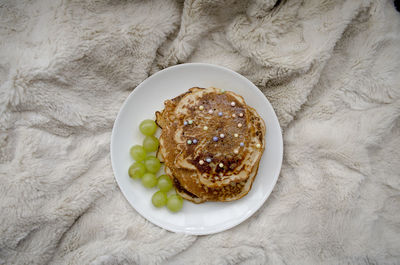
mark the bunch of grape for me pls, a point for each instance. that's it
(146, 166)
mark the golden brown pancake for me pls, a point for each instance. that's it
(211, 143)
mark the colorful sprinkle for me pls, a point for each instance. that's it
(239, 125)
(185, 123)
(190, 121)
(194, 141)
(221, 165)
(210, 111)
(236, 151)
(236, 135)
(201, 108)
(234, 115)
(208, 160)
(215, 138)
(222, 90)
(222, 135)
(241, 114)
(258, 145)
(201, 162)
(220, 114)
(233, 104)
(241, 144)
(205, 128)
(189, 141)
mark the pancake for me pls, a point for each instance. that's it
(231, 192)
(217, 163)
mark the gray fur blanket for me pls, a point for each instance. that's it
(331, 69)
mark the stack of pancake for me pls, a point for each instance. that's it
(211, 143)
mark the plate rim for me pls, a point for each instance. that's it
(238, 220)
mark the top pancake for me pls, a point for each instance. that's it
(234, 157)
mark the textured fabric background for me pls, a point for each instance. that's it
(331, 69)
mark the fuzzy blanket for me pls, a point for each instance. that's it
(331, 69)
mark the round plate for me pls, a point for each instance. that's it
(145, 100)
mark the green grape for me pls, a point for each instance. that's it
(148, 127)
(136, 170)
(138, 153)
(159, 199)
(174, 203)
(152, 164)
(150, 143)
(164, 183)
(149, 180)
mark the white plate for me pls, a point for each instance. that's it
(148, 97)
